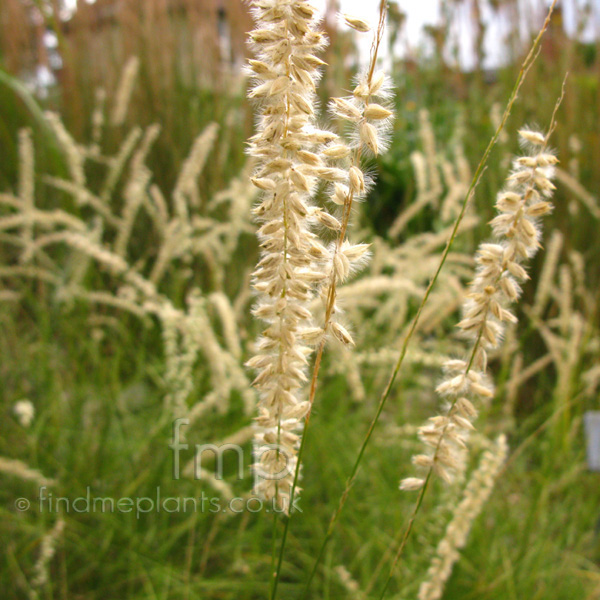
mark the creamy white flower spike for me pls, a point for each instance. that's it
(368, 120)
(500, 272)
(287, 146)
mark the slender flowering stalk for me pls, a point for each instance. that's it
(125, 91)
(98, 119)
(526, 65)
(368, 117)
(286, 146)
(47, 552)
(27, 190)
(497, 284)
(370, 121)
(19, 469)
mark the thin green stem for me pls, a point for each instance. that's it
(273, 550)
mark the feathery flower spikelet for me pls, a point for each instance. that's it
(125, 90)
(74, 156)
(27, 189)
(496, 285)
(185, 193)
(286, 71)
(98, 118)
(429, 146)
(47, 552)
(135, 189)
(368, 117)
(294, 155)
(545, 279)
(427, 165)
(356, 23)
(349, 583)
(19, 469)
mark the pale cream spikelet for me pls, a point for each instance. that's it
(118, 162)
(24, 412)
(457, 177)
(423, 198)
(239, 437)
(177, 392)
(74, 156)
(499, 274)
(79, 263)
(98, 117)
(367, 117)
(286, 146)
(579, 192)
(185, 194)
(158, 208)
(217, 483)
(427, 176)
(545, 280)
(99, 253)
(227, 317)
(18, 468)
(47, 551)
(476, 493)
(125, 90)
(185, 335)
(357, 24)
(429, 146)
(101, 297)
(565, 298)
(135, 190)
(176, 242)
(26, 189)
(349, 583)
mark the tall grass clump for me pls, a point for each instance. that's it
(90, 251)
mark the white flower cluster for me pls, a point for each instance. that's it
(24, 411)
(496, 285)
(295, 156)
(368, 118)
